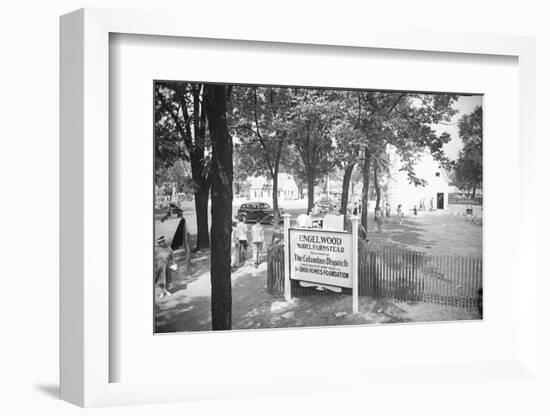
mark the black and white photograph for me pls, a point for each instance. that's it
(381, 187)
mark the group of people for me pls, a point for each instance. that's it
(422, 204)
(385, 211)
(239, 242)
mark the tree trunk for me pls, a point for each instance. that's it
(310, 191)
(196, 154)
(365, 192)
(345, 190)
(201, 212)
(222, 198)
(202, 189)
(275, 195)
(474, 193)
(376, 184)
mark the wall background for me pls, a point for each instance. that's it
(29, 115)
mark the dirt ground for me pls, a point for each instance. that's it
(188, 308)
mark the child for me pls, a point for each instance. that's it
(257, 241)
(242, 235)
(400, 214)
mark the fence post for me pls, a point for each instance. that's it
(286, 257)
(355, 263)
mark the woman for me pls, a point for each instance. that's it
(164, 264)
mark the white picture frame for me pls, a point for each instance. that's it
(85, 356)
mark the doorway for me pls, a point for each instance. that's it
(440, 200)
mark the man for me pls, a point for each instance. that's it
(242, 235)
(257, 241)
(234, 245)
(164, 265)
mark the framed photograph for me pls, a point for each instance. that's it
(281, 212)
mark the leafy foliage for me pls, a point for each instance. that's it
(469, 167)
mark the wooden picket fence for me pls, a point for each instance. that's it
(398, 274)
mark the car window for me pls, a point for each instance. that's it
(244, 206)
(265, 206)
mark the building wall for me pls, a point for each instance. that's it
(261, 188)
(401, 191)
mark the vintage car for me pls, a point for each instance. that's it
(252, 211)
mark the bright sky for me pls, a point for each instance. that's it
(464, 105)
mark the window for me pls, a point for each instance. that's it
(437, 174)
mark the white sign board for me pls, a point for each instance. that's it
(320, 256)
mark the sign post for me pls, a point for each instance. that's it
(355, 263)
(287, 256)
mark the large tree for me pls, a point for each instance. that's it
(348, 142)
(469, 167)
(181, 134)
(260, 120)
(222, 198)
(312, 138)
(406, 121)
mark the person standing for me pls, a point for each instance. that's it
(257, 242)
(234, 244)
(378, 219)
(163, 266)
(242, 235)
(400, 213)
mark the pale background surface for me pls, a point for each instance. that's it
(29, 164)
(137, 60)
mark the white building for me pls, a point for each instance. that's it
(261, 188)
(400, 191)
